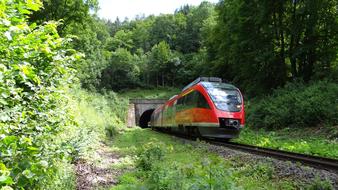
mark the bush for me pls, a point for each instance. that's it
(208, 174)
(296, 105)
(149, 155)
(95, 115)
(160, 172)
(35, 71)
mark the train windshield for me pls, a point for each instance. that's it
(225, 97)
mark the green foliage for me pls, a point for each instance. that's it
(162, 64)
(149, 155)
(96, 115)
(296, 105)
(260, 45)
(35, 70)
(92, 40)
(121, 39)
(313, 141)
(63, 177)
(320, 184)
(163, 162)
(155, 93)
(70, 12)
(122, 71)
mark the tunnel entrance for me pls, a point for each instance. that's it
(140, 108)
(145, 118)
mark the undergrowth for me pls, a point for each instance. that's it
(296, 105)
(311, 141)
(96, 118)
(161, 162)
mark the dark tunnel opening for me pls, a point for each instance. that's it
(145, 118)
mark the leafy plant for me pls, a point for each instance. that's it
(296, 105)
(35, 70)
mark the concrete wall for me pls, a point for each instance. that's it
(138, 106)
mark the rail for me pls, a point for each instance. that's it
(310, 160)
(315, 161)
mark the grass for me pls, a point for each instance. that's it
(313, 141)
(96, 118)
(158, 161)
(156, 93)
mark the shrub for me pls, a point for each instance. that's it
(35, 71)
(149, 155)
(319, 184)
(208, 174)
(95, 114)
(296, 105)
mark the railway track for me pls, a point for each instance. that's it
(314, 161)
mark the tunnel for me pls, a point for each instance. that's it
(145, 118)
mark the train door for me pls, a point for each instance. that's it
(173, 116)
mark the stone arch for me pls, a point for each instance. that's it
(145, 118)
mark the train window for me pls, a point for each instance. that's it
(201, 101)
(190, 100)
(180, 104)
(180, 101)
(225, 97)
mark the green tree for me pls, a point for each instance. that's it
(167, 28)
(93, 41)
(122, 71)
(162, 64)
(68, 11)
(190, 40)
(261, 44)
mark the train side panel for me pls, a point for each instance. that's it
(197, 107)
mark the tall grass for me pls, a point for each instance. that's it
(97, 117)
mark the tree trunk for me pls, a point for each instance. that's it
(156, 79)
(162, 80)
(293, 59)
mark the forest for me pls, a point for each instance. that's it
(283, 55)
(257, 45)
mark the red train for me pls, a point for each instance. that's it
(206, 107)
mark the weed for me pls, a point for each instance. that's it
(319, 184)
(294, 140)
(165, 163)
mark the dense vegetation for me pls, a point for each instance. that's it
(45, 124)
(318, 141)
(296, 105)
(266, 43)
(157, 161)
(35, 70)
(49, 48)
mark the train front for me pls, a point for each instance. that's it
(228, 107)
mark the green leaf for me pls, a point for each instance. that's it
(34, 4)
(44, 163)
(28, 174)
(9, 140)
(3, 102)
(6, 180)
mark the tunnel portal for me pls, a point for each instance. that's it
(140, 111)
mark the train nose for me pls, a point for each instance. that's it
(227, 122)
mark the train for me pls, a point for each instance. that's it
(207, 107)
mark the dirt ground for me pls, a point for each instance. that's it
(99, 174)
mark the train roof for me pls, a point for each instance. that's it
(208, 82)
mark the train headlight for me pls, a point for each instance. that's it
(233, 122)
